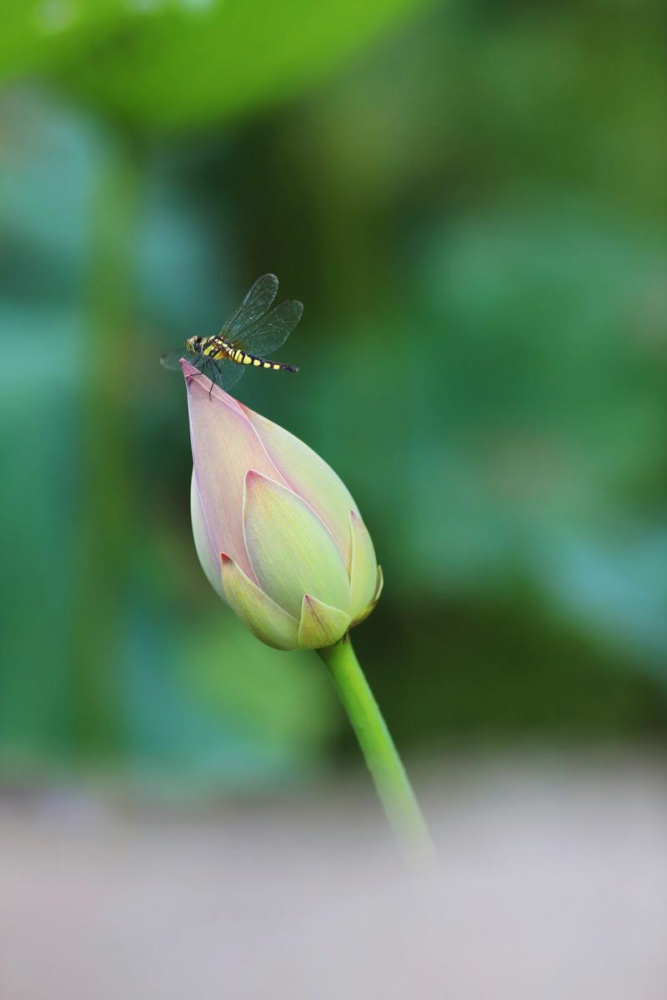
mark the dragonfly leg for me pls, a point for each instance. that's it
(216, 367)
(203, 366)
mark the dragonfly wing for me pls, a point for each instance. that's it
(257, 301)
(224, 373)
(173, 358)
(229, 374)
(271, 331)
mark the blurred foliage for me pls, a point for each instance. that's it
(474, 215)
(156, 64)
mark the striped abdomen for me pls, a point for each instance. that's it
(218, 349)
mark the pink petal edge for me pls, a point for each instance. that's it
(193, 374)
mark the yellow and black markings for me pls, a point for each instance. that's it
(217, 349)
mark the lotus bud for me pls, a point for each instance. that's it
(277, 532)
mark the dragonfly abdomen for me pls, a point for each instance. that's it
(217, 349)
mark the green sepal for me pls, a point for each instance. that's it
(320, 625)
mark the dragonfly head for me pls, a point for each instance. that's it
(193, 345)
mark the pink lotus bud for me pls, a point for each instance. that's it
(277, 533)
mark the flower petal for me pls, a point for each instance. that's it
(308, 476)
(190, 372)
(290, 550)
(256, 610)
(363, 569)
(379, 587)
(320, 625)
(224, 446)
(209, 560)
(376, 597)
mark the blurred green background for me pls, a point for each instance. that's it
(469, 198)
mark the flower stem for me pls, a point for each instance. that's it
(392, 783)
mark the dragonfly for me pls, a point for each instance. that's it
(254, 331)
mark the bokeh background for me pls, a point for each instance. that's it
(469, 197)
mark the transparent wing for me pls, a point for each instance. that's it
(271, 331)
(224, 373)
(257, 301)
(172, 359)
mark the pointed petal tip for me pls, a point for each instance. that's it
(253, 478)
(320, 624)
(193, 377)
(188, 370)
(308, 475)
(291, 551)
(251, 481)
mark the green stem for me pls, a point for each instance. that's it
(392, 783)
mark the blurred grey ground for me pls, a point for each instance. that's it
(553, 884)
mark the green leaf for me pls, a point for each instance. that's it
(41, 35)
(161, 66)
